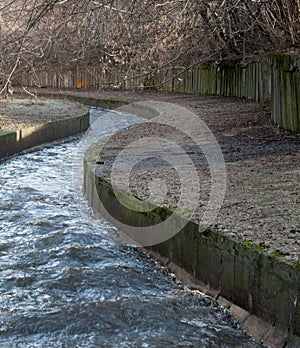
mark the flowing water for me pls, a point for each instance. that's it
(64, 283)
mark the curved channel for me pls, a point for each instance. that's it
(65, 284)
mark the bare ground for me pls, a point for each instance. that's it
(262, 202)
(21, 112)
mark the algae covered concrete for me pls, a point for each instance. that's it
(261, 205)
(261, 287)
(264, 286)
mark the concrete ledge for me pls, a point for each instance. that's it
(12, 142)
(261, 291)
(106, 103)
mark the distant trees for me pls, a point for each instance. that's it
(19, 21)
(141, 35)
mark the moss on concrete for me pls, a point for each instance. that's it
(240, 271)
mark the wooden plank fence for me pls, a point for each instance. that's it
(273, 79)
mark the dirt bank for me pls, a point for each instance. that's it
(21, 112)
(262, 202)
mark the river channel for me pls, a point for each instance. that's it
(65, 283)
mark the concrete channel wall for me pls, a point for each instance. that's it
(272, 79)
(12, 142)
(261, 291)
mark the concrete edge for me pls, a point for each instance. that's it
(106, 103)
(129, 106)
(261, 292)
(269, 331)
(14, 142)
(260, 330)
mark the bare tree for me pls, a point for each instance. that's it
(140, 35)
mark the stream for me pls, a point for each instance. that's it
(66, 281)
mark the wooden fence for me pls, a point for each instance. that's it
(273, 79)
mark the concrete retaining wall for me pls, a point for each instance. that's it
(12, 142)
(263, 292)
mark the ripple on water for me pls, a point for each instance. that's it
(63, 283)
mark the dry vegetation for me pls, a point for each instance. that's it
(140, 35)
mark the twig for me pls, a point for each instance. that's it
(28, 92)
